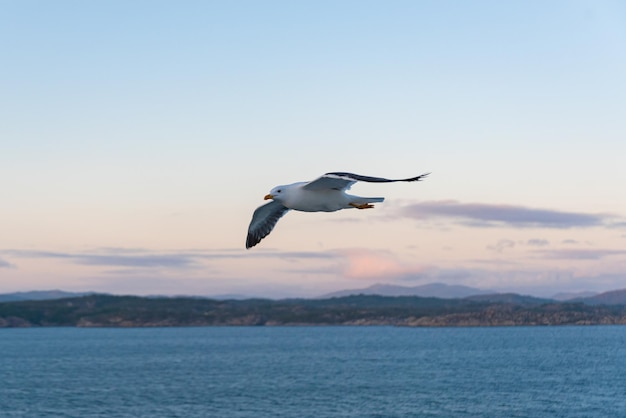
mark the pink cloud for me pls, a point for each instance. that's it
(372, 264)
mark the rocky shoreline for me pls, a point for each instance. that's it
(361, 310)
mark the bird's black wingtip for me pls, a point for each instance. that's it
(252, 240)
(420, 177)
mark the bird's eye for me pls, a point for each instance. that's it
(278, 191)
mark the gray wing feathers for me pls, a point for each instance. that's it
(329, 182)
(263, 221)
(343, 181)
(358, 177)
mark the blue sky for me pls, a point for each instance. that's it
(138, 137)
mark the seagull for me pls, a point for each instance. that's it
(324, 194)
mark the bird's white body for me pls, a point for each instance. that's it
(295, 196)
(324, 194)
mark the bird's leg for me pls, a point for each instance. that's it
(361, 205)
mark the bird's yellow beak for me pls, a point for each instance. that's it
(268, 197)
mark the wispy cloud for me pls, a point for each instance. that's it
(6, 264)
(579, 253)
(537, 242)
(148, 261)
(141, 258)
(117, 259)
(501, 245)
(490, 215)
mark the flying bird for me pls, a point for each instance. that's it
(324, 194)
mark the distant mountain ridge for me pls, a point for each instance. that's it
(614, 297)
(431, 290)
(444, 291)
(563, 296)
(40, 295)
(509, 298)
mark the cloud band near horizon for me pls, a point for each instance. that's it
(493, 215)
(147, 258)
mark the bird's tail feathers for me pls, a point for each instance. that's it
(360, 200)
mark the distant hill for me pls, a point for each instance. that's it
(228, 296)
(573, 295)
(510, 298)
(432, 290)
(40, 295)
(614, 297)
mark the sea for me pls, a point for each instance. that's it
(313, 371)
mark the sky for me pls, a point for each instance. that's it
(137, 138)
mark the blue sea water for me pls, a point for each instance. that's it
(313, 372)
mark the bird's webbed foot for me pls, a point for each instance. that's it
(361, 205)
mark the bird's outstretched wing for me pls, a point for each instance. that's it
(343, 181)
(263, 221)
